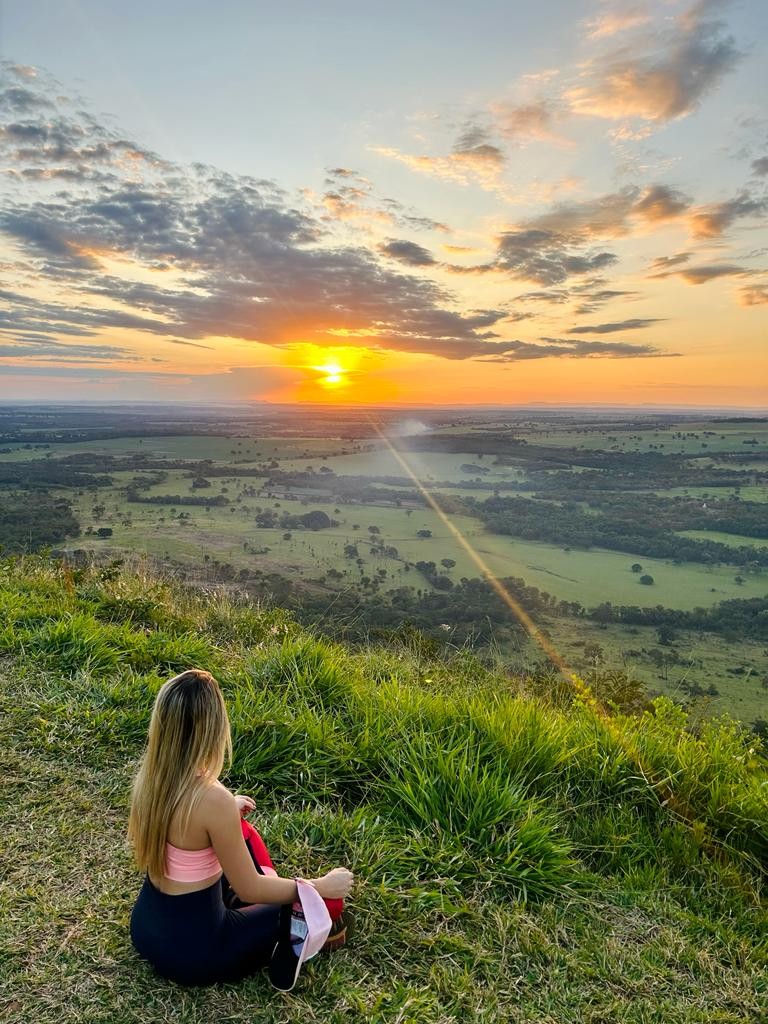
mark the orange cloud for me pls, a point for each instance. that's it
(659, 77)
(754, 295)
(519, 122)
(700, 275)
(617, 21)
(711, 221)
(465, 250)
(661, 203)
(481, 164)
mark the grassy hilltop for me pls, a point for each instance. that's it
(520, 857)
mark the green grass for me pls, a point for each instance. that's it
(513, 860)
(725, 538)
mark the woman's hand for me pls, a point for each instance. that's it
(335, 885)
(244, 804)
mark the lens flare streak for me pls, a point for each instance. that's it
(514, 606)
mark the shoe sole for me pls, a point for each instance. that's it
(335, 941)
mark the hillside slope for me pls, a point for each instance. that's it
(515, 861)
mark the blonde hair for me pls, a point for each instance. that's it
(188, 736)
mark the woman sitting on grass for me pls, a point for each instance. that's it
(206, 912)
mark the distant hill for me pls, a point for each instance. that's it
(525, 852)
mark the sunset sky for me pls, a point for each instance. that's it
(412, 202)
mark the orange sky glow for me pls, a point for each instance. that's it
(578, 214)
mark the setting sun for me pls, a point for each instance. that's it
(332, 374)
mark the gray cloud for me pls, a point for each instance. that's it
(350, 197)
(549, 297)
(32, 346)
(590, 301)
(191, 344)
(560, 244)
(760, 166)
(662, 264)
(546, 257)
(566, 348)
(712, 221)
(700, 275)
(754, 295)
(660, 203)
(520, 122)
(247, 263)
(407, 252)
(474, 144)
(614, 328)
(48, 143)
(606, 216)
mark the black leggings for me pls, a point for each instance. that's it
(195, 939)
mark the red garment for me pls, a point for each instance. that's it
(262, 859)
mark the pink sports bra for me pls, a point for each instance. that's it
(190, 865)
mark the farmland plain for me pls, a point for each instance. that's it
(409, 508)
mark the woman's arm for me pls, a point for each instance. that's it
(220, 816)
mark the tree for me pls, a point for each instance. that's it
(666, 634)
(647, 580)
(424, 533)
(316, 520)
(104, 531)
(448, 563)
(373, 530)
(636, 567)
(594, 653)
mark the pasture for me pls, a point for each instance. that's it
(226, 542)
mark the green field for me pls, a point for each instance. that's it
(745, 493)
(590, 577)
(725, 538)
(228, 450)
(697, 438)
(738, 672)
(204, 542)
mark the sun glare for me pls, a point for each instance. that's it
(332, 374)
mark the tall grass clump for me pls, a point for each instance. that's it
(478, 824)
(717, 774)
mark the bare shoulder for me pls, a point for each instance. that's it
(216, 800)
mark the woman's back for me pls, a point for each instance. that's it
(187, 839)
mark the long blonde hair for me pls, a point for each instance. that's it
(189, 736)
